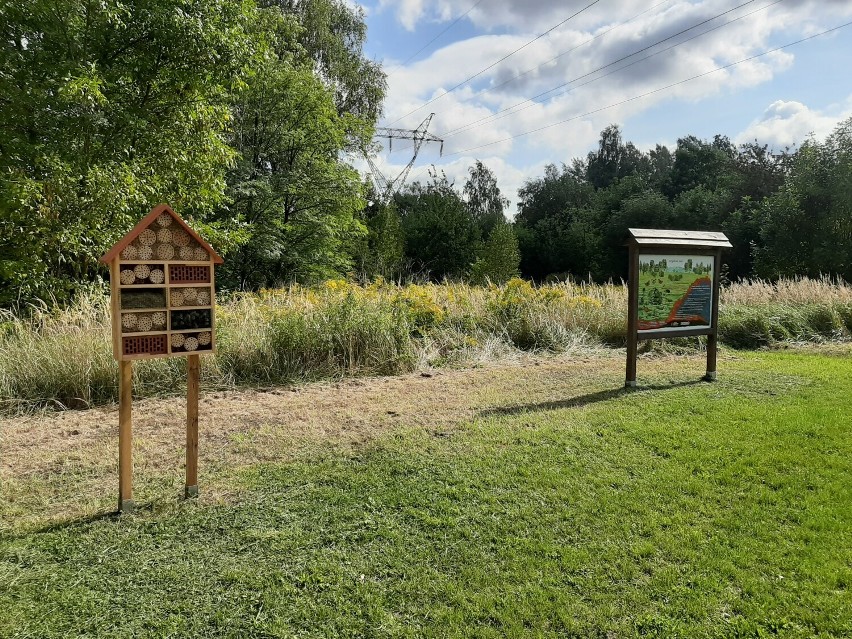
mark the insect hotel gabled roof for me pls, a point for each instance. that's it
(147, 221)
(661, 237)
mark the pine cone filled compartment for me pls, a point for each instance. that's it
(191, 342)
(136, 274)
(193, 319)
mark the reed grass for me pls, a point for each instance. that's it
(60, 357)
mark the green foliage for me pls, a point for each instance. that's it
(786, 214)
(484, 200)
(382, 252)
(235, 115)
(441, 235)
(108, 108)
(290, 194)
(332, 35)
(498, 259)
(806, 227)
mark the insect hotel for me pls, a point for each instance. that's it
(163, 302)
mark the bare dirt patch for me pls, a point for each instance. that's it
(56, 466)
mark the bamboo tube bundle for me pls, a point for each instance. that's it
(186, 253)
(205, 338)
(144, 324)
(164, 219)
(147, 237)
(201, 254)
(129, 252)
(164, 236)
(158, 319)
(177, 340)
(142, 271)
(202, 298)
(129, 320)
(190, 344)
(180, 237)
(157, 276)
(145, 253)
(127, 276)
(189, 295)
(176, 297)
(165, 251)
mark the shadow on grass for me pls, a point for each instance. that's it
(74, 522)
(582, 400)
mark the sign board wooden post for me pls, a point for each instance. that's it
(673, 289)
(163, 305)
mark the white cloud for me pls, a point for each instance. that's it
(596, 92)
(789, 123)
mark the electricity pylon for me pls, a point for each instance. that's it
(385, 188)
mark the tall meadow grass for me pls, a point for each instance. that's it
(62, 357)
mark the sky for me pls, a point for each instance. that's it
(519, 84)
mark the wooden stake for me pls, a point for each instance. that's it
(632, 318)
(192, 427)
(125, 437)
(712, 338)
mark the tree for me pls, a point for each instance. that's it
(484, 199)
(498, 259)
(806, 227)
(441, 236)
(382, 251)
(292, 197)
(108, 108)
(332, 36)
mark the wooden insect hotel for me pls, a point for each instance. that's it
(163, 305)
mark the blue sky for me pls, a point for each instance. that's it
(778, 98)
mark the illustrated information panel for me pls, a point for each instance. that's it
(675, 291)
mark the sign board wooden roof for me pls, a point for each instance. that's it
(145, 222)
(668, 237)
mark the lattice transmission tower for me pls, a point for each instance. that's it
(385, 188)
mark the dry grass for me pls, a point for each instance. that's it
(797, 291)
(61, 357)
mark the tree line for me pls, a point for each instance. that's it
(247, 117)
(787, 213)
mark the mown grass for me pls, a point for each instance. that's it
(680, 510)
(61, 357)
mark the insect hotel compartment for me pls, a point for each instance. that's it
(189, 274)
(190, 296)
(136, 274)
(143, 298)
(182, 320)
(144, 345)
(191, 342)
(143, 322)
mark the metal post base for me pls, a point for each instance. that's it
(710, 377)
(190, 492)
(126, 506)
(630, 384)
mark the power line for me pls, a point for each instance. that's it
(425, 46)
(563, 53)
(494, 116)
(494, 64)
(644, 95)
(513, 109)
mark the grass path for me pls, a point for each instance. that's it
(526, 500)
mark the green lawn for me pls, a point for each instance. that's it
(678, 510)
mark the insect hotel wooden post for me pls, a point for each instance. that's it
(163, 305)
(673, 289)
